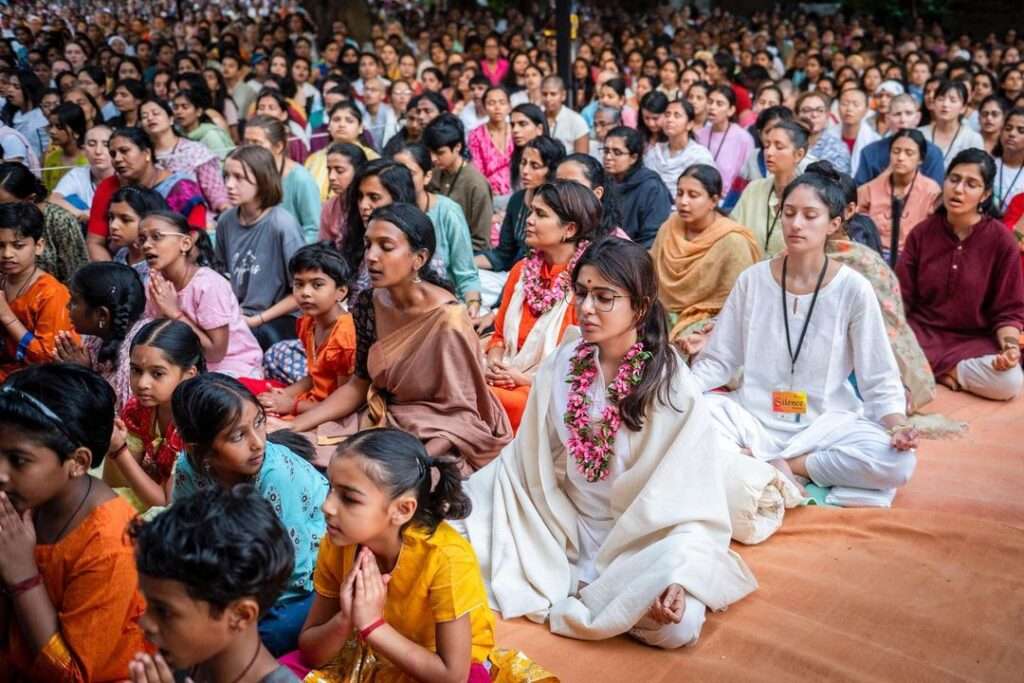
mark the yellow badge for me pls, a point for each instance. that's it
(789, 402)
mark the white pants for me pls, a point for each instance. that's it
(977, 376)
(671, 636)
(844, 449)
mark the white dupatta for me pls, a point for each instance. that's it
(671, 509)
(542, 339)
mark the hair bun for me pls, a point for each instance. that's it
(824, 169)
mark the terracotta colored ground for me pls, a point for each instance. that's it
(931, 590)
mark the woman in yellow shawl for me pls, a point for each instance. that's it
(698, 254)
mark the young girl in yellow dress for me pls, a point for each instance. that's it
(399, 593)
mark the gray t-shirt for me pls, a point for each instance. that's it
(257, 256)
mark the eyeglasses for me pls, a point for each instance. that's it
(156, 237)
(603, 301)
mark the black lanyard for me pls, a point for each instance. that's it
(451, 185)
(952, 142)
(807, 321)
(725, 135)
(896, 217)
(1006, 197)
(770, 219)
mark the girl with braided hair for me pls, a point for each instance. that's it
(107, 304)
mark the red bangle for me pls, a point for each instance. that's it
(365, 633)
(29, 584)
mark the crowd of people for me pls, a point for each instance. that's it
(316, 348)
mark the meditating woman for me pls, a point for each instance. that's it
(588, 172)
(681, 151)
(645, 203)
(760, 205)
(902, 196)
(418, 359)
(798, 326)
(960, 275)
(699, 254)
(344, 161)
(1010, 161)
(536, 306)
(949, 130)
(526, 122)
(574, 510)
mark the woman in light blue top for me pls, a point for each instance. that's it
(454, 246)
(301, 192)
(226, 432)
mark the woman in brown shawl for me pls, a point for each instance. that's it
(418, 360)
(698, 254)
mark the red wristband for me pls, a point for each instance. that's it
(29, 584)
(365, 633)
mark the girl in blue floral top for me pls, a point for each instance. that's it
(225, 434)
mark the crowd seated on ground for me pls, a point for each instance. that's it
(318, 346)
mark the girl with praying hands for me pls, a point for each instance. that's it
(960, 276)
(760, 205)
(798, 326)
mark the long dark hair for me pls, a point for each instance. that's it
(177, 340)
(401, 464)
(396, 179)
(209, 403)
(629, 266)
(536, 115)
(593, 170)
(63, 406)
(117, 288)
(419, 231)
(655, 102)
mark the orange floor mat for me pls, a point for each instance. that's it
(860, 594)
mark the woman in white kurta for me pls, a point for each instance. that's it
(629, 532)
(796, 406)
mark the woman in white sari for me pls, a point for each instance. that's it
(610, 511)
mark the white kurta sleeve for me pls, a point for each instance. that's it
(725, 350)
(878, 375)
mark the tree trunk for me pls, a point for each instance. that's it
(355, 13)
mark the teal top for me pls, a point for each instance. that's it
(454, 246)
(295, 490)
(302, 200)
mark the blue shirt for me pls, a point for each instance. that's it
(875, 158)
(295, 490)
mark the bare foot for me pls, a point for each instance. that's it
(781, 465)
(949, 381)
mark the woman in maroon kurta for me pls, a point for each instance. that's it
(960, 276)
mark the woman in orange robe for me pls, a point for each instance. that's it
(537, 305)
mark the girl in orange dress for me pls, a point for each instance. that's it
(536, 307)
(33, 304)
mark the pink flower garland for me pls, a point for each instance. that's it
(542, 299)
(592, 445)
